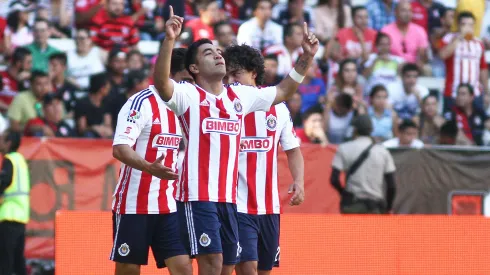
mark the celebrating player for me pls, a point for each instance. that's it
(144, 210)
(211, 118)
(258, 191)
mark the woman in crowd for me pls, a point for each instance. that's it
(17, 33)
(330, 16)
(429, 121)
(383, 118)
(346, 82)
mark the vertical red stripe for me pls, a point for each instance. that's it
(168, 161)
(125, 187)
(204, 150)
(150, 156)
(184, 179)
(270, 161)
(122, 177)
(224, 154)
(250, 131)
(232, 96)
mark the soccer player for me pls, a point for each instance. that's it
(258, 191)
(144, 210)
(211, 117)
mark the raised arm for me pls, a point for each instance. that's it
(289, 85)
(161, 76)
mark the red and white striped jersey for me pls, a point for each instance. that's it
(258, 189)
(151, 129)
(212, 126)
(464, 65)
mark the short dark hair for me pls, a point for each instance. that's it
(37, 74)
(344, 100)
(177, 63)
(19, 54)
(445, 10)
(288, 29)
(191, 54)
(315, 109)
(376, 89)
(203, 4)
(97, 81)
(134, 52)
(424, 100)
(59, 56)
(410, 67)
(465, 14)
(247, 58)
(449, 129)
(219, 25)
(406, 124)
(256, 4)
(15, 138)
(380, 36)
(271, 56)
(356, 9)
(467, 85)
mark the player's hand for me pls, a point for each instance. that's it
(158, 170)
(298, 194)
(173, 26)
(310, 43)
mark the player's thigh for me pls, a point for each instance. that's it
(166, 240)
(228, 218)
(248, 232)
(269, 249)
(131, 239)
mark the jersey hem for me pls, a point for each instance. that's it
(147, 212)
(208, 200)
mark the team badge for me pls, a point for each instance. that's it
(271, 123)
(123, 249)
(133, 116)
(237, 106)
(204, 240)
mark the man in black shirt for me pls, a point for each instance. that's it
(61, 85)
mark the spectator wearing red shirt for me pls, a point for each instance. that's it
(16, 77)
(202, 27)
(115, 29)
(312, 132)
(87, 12)
(427, 14)
(357, 42)
(3, 24)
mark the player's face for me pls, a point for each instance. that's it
(242, 76)
(183, 76)
(210, 63)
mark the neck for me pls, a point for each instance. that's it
(468, 110)
(117, 78)
(402, 26)
(407, 89)
(96, 99)
(213, 87)
(82, 53)
(404, 144)
(42, 45)
(59, 79)
(290, 48)
(378, 110)
(261, 23)
(206, 21)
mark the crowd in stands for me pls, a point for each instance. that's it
(372, 54)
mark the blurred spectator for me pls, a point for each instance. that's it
(201, 27)
(289, 52)
(224, 34)
(312, 89)
(92, 116)
(50, 123)
(312, 132)
(116, 67)
(448, 133)
(114, 28)
(475, 7)
(408, 39)
(260, 31)
(382, 67)
(85, 60)
(87, 12)
(294, 106)
(40, 49)
(27, 105)
(407, 136)
(178, 72)
(17, 33)
(59, 13)
(470, 119)
(147, 19)
(438, 66)
(271, 67)
(381, 13)
(485, 29)
(338, 114)
(295, 12)
(64, 88)
(330, 16)
(136, 60)
(465, 61)
(383, 118)
(357, 41)
(427, 14)
(16, 77)
(429, 121)
(346, 82)
(406, 98)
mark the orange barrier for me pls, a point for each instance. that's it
(315, 245)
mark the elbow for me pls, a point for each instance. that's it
(116, 152)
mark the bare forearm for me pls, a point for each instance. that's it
(484, 80)
(287, 87)
(447, 51)
(85, 17)
(296, 165)
(126, 155)
(162, 70)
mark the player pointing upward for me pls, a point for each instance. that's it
(211, 117)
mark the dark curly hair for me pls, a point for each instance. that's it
(247, 58)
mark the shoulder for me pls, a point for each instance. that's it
(417, 28)
(448, 37)
(388, 28)
(343, 32)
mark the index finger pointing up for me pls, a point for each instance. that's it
(305, 28)
(171, 11)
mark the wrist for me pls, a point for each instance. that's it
(146, 167)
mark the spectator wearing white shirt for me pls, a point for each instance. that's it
(407, 136)
(17, 33)
(288, 53)
(260, 31)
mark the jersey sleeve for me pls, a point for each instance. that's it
(181, 98)
(131, 122)
(254, 99)
(288, 138)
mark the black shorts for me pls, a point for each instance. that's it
(134, 234)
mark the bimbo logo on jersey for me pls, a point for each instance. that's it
(256, 144)
(166, 141)
(221, 126)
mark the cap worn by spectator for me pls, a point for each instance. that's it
(363, 124)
